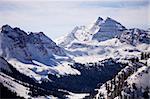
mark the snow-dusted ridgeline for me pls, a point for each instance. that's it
(38, 57)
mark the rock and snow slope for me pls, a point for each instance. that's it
(100, 30)
(9, 82)
(140, 78)
(80, 34)
(135, 36)
(38, 57)
(16, 43)
(109, 29)
(108, 39)
(33, 54)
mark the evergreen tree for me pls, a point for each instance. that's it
(142, 55)
(146, 93)
(137, 59)
(134, 86)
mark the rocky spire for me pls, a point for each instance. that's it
(5, 28)
(99, 21)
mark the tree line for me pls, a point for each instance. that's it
(119, 87)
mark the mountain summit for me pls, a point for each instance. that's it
(15, 43)
(109, 29)
(100, 30)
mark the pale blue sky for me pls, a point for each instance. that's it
(56, 18)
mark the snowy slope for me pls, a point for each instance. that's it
(21, 89)
(100, 30)
(81, 34)
(109, 29)
(9, 82)
(108, 38)
(140, 78)
(136, 73)
(33, 54)
(110, 48)
(15, 43)
(40, 58)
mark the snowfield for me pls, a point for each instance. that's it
(110, 48)
(39, 71)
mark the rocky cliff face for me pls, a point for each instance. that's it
(135, 36)
(108, 29)
(16, 43)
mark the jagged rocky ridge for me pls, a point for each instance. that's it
(102, 30)
(33, 54)
(85, 63)
(135, 36)
(108, 29)
(16, 43)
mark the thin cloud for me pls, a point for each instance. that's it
(116, 4)
(56, 18)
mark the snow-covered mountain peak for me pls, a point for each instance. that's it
(111, 22)
(6, 28)
(110, 19)
(108, 29)
(98, 53)
(33, 53)
(99, 21)
(100, 30)
(13, 32)
(15, 43)
(40, 37)
(81, 33)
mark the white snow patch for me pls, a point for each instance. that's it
(39, 71)
(14, 86)
(87, 59)
(77, 96)
(64, 69)
(140, 78)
